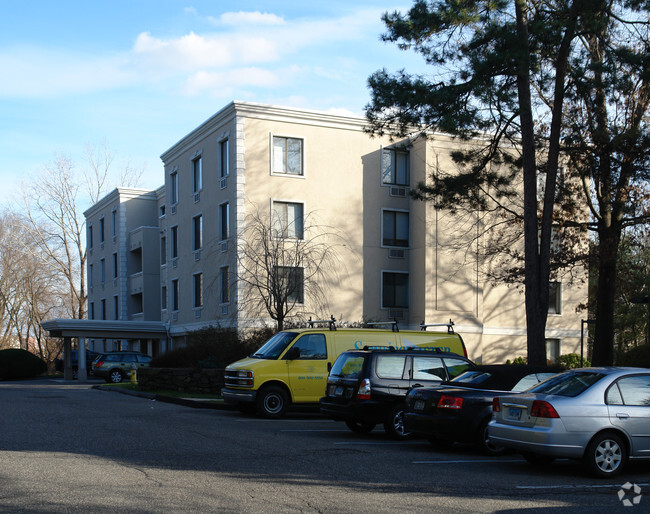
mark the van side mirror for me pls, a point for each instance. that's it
(292, 354)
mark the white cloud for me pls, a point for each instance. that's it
(241, 18)
(204, 81)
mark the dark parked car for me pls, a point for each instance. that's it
(367, 387)
(598, 415)
(460, 410)
(116, 366)
(59, 364)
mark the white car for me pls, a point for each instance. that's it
(598, 415)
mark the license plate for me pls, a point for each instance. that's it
(514, 413)
(338, 391)
(418, 405)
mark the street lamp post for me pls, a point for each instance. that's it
(582, 338)
(644, 299)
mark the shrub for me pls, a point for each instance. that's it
(518, 360)
(212, 348)
(572, 361)
(638, 357)
(17, 364)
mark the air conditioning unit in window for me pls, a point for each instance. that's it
(197, 197)
(398, 191)
(224, 310)
(223, 183)
(174, 263)
(396, 314)
(174, 316)
(224, 246)
(173, 209)
(197, 313)
(396, 253)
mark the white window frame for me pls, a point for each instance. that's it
(224, 167)
(555, 298)
(197, 179)
(197, 232)
(224, 285)
(176, 295)
(408, 235)
(289, 231)
(173, 231)
(173, 187)
(278, 170)
(408, 289)
(300, 300)
(394, 152)
(224, 223)
(197, 292)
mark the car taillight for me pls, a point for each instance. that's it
(98, 364)
(450, 402)
(496, 406)
(542, 409)
(364, 390)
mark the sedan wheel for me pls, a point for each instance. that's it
(115, 376)
(359, 427)
(606, 455)
(394, 424)
(485, 444)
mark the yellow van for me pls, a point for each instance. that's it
(293, 365)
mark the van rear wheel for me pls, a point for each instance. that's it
(272, 402)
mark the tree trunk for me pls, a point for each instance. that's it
(603, 350)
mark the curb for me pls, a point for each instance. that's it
(197, 404)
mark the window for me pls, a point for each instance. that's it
(287, 156)
(173, 188)
(395, 228)
(224, 286)
(555, 298)
(287, 220)
(90, 237)
(312, 346)
(163, 250)
(161, 211)
(224, 221)
(291, 283)
(394, 288)
(197, 232)
(395, 167)
(197, 175)
(163, 298)
(91, 314)
(116, 307)
(103, 304)
(224, 156)
(428, 368)
(101, 230)
(174, 242)
(632, 390)
(102, 271)
(115, 265)
(390, 366)
(114, 227)
(552, 349)
(198, 290)
(91, 280)
(175, 294)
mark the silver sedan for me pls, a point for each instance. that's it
(598, 415)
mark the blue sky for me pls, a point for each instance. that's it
(140, 74)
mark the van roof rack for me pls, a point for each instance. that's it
(394, 324)
(331, 322)
(427, 349)
(450, 326)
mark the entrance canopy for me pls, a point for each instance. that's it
(98, 329)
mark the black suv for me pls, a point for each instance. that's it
(367, 387)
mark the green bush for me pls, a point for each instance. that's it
(572, 361)
(17, 364)
(518, 360)
(638, 357)
(212, 348)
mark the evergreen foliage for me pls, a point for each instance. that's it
(20, 364)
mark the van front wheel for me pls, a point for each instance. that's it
(272, 402)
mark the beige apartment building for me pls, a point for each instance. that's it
(174, 255)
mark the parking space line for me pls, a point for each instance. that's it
(312, 430)
(464, 461)
(376, 443)
(575, 486)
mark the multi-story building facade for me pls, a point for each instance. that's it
(177, 251)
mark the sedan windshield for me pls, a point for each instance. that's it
(568, 384)
(274, 347)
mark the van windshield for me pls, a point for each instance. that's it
(274, 347)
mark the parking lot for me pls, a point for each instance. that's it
(66, 447)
